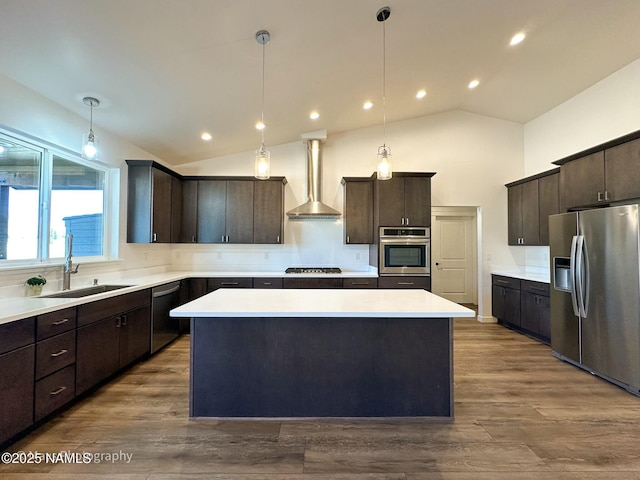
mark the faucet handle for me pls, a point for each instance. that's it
(75, 270)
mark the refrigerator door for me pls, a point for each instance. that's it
(565, 324)
(611, 324)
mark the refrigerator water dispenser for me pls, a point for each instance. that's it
(561, 276)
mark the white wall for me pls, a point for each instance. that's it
(605, 111)
(25, 111)
(473, 157)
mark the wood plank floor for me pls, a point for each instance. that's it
(520, 414)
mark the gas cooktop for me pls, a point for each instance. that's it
(313, 270)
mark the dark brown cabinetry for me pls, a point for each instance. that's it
(225, 211)
(268, 208)
(530, 202)
(149, 217)
(522, 305)
(188, 218)
(603, 174)
(405, 199)
(360, 282)
(405, 282)
(312, 282)
(229, 282)
(358, 210)
(264, 282)
(17, 368)
(111, 334)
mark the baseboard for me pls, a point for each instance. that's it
(487, 319)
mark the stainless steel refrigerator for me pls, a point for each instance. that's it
(595, 294)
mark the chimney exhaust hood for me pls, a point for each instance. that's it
(314, 209)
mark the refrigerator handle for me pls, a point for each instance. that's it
(584, 272)
(572, 275)
(579, 275)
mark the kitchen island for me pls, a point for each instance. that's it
(321, 353)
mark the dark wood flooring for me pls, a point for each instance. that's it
(520, 414)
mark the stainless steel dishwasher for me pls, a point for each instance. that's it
(164, 329)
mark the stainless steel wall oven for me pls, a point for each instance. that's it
(405, 251)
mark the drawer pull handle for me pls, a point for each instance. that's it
(360, 283)
(541, 289)
(504, 282)
(406, 283)
(230, 283)
(58, 391)
(60, 322)
(266, 283)
(61, 352)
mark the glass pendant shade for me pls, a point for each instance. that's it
(90, 146)
(263, 163)
(384, 163)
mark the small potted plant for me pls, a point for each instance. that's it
(35, 285)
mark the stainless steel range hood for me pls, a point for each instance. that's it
(314, 209)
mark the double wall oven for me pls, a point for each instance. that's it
(405, 251)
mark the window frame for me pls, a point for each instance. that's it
(109, 209)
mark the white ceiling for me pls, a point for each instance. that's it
(167, 70)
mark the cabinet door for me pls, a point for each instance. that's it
(176, 209)
(268, 211)
(239, 211)
(512, 306)
(497, 301)
(97, 352)
(17, 392)
(161, 206)
(417, 201)
(312, 282)
(189, 212)
(423, 283)
(529, 312)
(544, 317)
(135, 335)
(581, 180)
(548, 199)
(358, 212)
(212, 199)
(390, 202)
(514, 214)
(622, 171)
(530, 214)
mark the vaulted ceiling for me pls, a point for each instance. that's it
(166, 71)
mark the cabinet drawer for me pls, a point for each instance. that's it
(17, 334)
(537, 288)
(405, 282)
(55, 353)
(508, 282)
(54, 323)
(267, 283)
(100, 309)
(230, 282)
(54, 391)
(359, 283)
(311, 282)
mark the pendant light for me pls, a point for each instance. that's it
(89, 141)
(384, 152)
(263, 157)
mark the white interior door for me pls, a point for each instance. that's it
(453, 253)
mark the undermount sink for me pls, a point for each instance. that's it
(84, 292)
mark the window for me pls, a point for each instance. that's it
(45, 195)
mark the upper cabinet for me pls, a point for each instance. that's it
(166, 207)
(149, 203)
(530, 202)
(604, 174)
(358, 210)
(405, 199)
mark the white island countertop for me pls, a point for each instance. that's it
(400, 303)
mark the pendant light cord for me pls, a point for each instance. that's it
(262, 116)
(384, 85)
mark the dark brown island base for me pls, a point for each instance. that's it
(321, 353)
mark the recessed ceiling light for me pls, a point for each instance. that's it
(421, 94)
(517, 38)
(474, 83)
(314, 115)
(367, 105)
(1, 149)
(260, 126)
(206, 136)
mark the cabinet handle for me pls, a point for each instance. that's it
(278, 239)
(347, 238)
(61, 352)
(60, 322)
(504, 282)
(599, 196)
(406, 283)
(540, 289)
(363, 283)
(193, 239)
(124, 320)
(58, 391)
(230, 283)
(118, 322)
(402, 221)
(407, 220)
(606, 195)
(155, 237)
(266, 283)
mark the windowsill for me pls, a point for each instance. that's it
(57, 264)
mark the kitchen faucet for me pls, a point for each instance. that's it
(68, 269)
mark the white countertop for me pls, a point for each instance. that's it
(524, 275)
(321, 303)
(16, 308)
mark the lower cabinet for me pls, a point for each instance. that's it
(98, 353)
(367, 282)
(522, 305)
(228, 282)
(265, 282)
(16, 394)
(135, 335)
(405, 282)
(312, 282)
